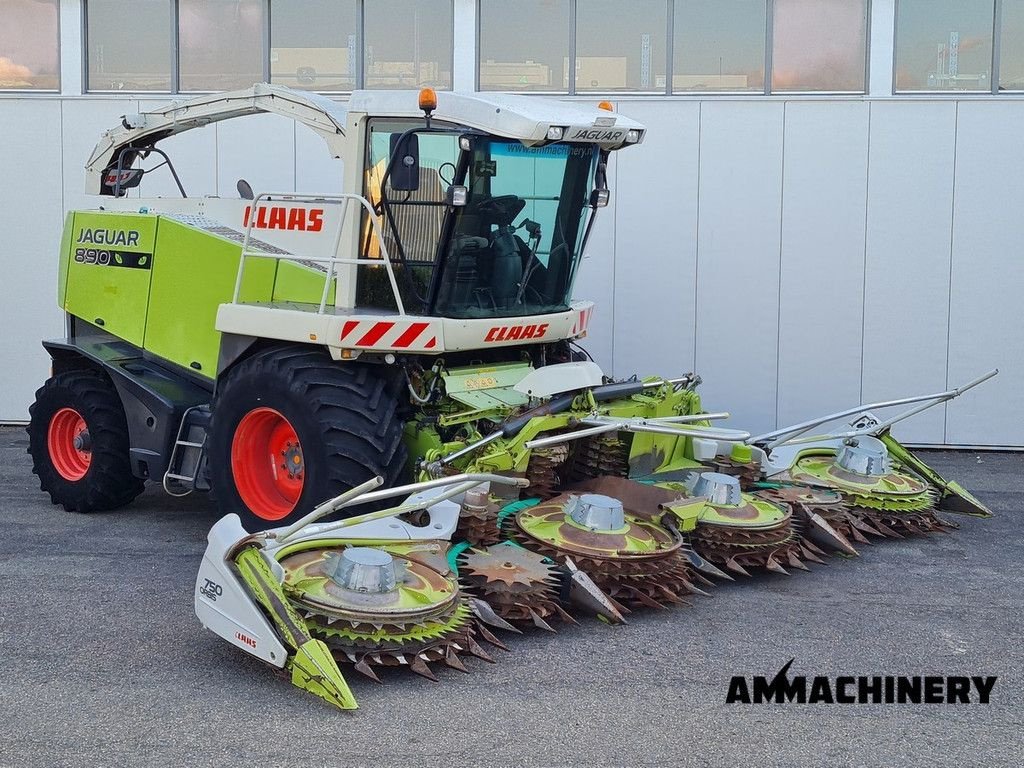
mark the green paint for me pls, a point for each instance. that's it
(194, 273)
(314, 669)
(113, 297)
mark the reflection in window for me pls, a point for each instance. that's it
(944, 45)
(408, 43)
(129, 44)
(620, 46)
(221, 44)
(819, 45)
(1011, 47)
(719, 45)
(313, 44)
(28, 45)
(524, 45)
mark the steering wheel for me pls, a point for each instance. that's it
(501, 210)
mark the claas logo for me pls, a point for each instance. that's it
(279, 217)
(516, 332)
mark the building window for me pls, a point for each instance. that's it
(1011, 46)
(220, 44)
(819, 45)
(719, 46)
(29, 45)
(620, 46)
(524, 46)
(408, 43)
(944, 45)
(313, 44)
(604, 46)
(139, 60)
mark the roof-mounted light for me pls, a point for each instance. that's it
(428, 99)
(632, 136)
(555, 133)
(465, 144)
(607, 106)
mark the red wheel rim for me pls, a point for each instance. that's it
(70, 461)
(267, 464)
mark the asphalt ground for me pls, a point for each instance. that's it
(105, 664)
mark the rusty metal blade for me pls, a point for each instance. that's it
(451, 658)
(705, 566)
(773, 565)
(808, 555)
(490, 638)
(484, 612)
(362, 667)
(886, 530)
(539, 622)
(474, 647)
(419, 666)
(732, 565)
(820, 532)
(645, 599)
(794, 561)
(586, 594)
(563, 614)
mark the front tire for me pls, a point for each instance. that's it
(292, 428)
(78, 440)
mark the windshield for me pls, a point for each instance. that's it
(411, 226)
(515, 245)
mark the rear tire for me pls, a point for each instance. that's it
(292, 428)
(78, 440)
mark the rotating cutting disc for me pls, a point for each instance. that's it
(639, 563)
(417, 617)
(521, 586)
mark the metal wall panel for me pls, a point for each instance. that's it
(987, 274)
(738, 259)
(315, 170)
(656, 242)
(906, 301)
(595, 279)
(31, 222)
(259, 149)
(194, 154)
(821, 285)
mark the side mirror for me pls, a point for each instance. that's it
(405, 168)
(599, 198)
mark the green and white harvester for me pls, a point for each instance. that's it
(383, 391)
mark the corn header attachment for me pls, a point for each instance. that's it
(599, 501)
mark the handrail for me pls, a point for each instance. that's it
(344, 199)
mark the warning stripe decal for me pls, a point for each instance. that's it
(411, 334)
(375, 334)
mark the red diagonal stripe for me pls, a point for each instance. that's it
(346, 329)
(374, 335)
(430, 344)
(411, 334)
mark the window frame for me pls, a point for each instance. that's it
(60, 71)
(997, 23)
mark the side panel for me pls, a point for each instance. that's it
(193, 274)
(64, 260)
(300, 283)
(109, 270)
